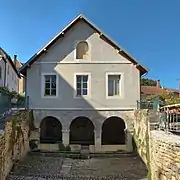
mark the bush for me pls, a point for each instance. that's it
(33, 145)
(61, 147)
(68, 148)
(4, 89)
(20, 98)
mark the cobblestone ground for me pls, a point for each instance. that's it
(57, 168)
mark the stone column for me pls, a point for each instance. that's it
(65, 136)
(97, 139)
(129, 145)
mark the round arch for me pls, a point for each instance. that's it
(50, 130)
(113, 131)
(81, 131)
(82, 49)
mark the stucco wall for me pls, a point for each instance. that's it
(14, 143)
(60, 59)
(11, 76)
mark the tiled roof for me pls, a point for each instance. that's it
(173, 90)
(152, 90)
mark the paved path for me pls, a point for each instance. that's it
(57, 168)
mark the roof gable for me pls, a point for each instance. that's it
(7, 57)
(121, 51)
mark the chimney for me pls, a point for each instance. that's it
(158, 84)
(15, 60)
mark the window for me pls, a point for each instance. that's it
(82, 49)
(114, 85)
(50, 85)
(8, 69)
(82, 85)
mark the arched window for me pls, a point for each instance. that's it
(82, 49)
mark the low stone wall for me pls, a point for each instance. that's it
(141, 134)
(14, 143)
(159, 150)
(165, 156)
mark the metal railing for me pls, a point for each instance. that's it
(24, 103)
(7, 105)
(145, 105)
(169, 122)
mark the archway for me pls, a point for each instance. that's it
(113, 131)
(51, 130)
(82, 131)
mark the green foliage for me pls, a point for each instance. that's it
(148, 82)
(12, 94)
(4, 89)
(172, 101)
(68, 148)
(64, 148)
(61, 147)
(33, 145)
(161, 97)
(20, 98)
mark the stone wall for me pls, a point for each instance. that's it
(141, 133)
(165, 156)
(14, 143)
(159, 150)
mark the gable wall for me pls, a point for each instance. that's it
(11, 76)
(104, 58)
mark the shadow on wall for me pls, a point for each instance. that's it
(86, 124)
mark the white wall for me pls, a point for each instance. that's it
(60, 59)
(11, 76)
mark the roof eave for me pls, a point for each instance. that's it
(142, 69)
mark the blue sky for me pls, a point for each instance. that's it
(149, 30)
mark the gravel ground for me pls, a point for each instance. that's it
(56, 168)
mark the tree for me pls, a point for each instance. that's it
(148, 82)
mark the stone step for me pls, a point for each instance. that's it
(85, 153)
(66, 166)
(66, 177)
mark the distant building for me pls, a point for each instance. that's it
(157, 90)
(9, 76)
(18, 65)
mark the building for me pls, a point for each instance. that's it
(18, 65)
(158, 90)
(9, 76)
(83, 88)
